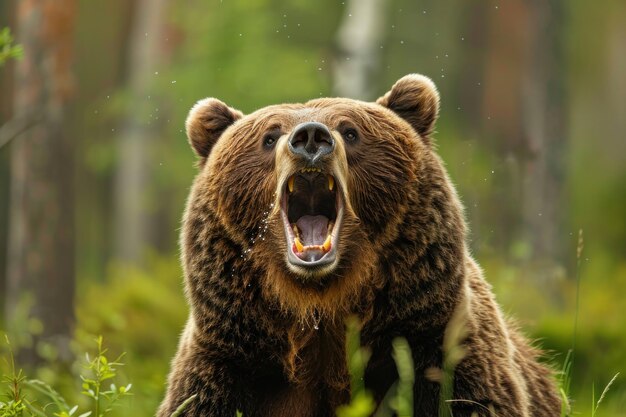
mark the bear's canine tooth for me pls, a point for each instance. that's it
(296, 232)
(331, 182)
(290, 183)
(299, 245)
(331, 224)
(326, 245)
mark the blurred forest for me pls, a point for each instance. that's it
(95, 166)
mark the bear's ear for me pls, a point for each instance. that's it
(206, 122)
(415, 98)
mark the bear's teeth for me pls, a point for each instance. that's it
(290, 183)
(310, 170)
(296, 232)
(299, 245)
(331, 182)
(326, 245)
(331, 224)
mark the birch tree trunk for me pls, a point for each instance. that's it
(358, 40)
(41, 225)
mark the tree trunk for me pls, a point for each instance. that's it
(358, 41)
(134, 220)
(41, 229)
(544, 130)
(525, 105)
(7, 19)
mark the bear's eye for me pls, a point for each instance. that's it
(270, 139)
(350, 135)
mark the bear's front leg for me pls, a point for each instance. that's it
(484, 387)
(197, 372)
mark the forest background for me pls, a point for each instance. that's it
(95, 166)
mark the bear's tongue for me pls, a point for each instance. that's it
(312, 229)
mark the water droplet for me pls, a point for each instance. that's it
(173, 81)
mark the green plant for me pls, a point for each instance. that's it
(565, 380)
(7, 49)
(362, 402)
(188, 401)
(596, 404)
(44, 401)
(100, 369)
(15, 405)
(403, 401)
(399, 398)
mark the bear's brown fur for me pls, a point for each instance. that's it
(266, 332)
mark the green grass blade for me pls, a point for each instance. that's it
(184, 405)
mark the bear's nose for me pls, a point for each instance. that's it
(310, 141)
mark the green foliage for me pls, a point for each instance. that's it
(139, 311)
(399, 399)
(100, 369)
(32, 397)
(8, 49)
(403, 401)
(362, 402)
(14, 404)
(565, 380)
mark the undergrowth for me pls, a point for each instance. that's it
(25, 397)
(101, 393)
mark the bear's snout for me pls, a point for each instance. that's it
(310, 141)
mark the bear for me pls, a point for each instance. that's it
(302, 215)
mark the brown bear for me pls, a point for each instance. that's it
(304, 214)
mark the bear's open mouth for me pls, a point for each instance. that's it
(312, 210)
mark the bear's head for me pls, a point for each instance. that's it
(308, 194)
